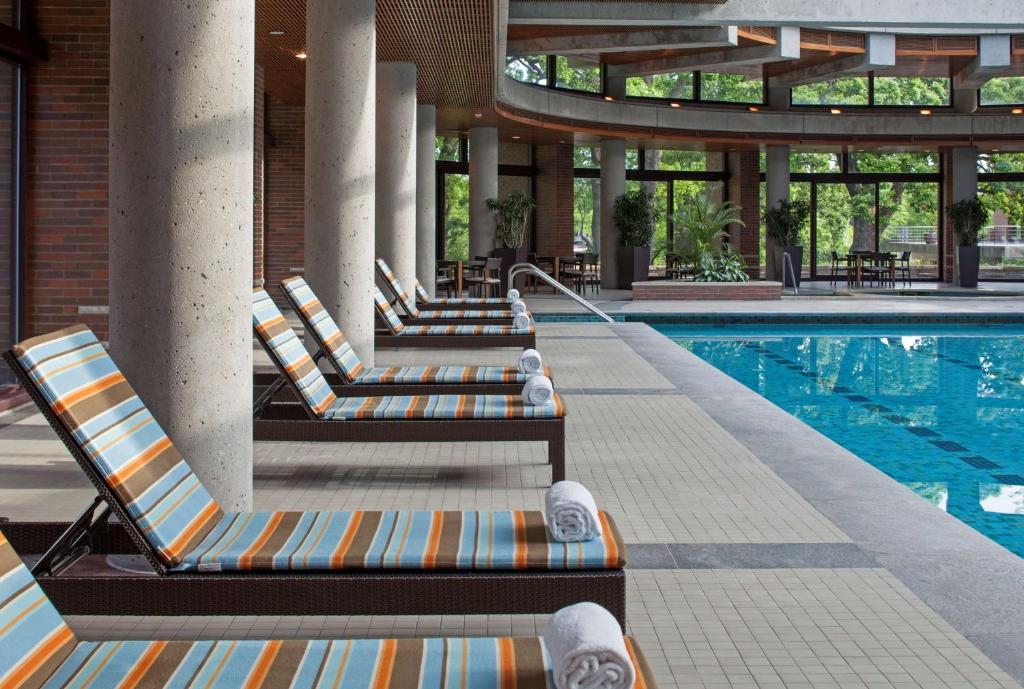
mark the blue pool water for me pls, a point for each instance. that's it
(938, 408)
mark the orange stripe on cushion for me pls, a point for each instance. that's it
(611, 558)
(181, 542)
(385, 664)
(433, 540)
(507, 662)
(62, 405)
(245, 559)
(263, 665)
(141, 460)
(519, 524)
(143, 665)
(338, 556)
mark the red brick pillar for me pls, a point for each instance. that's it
(257, 179)
(744, 189)
(554, 189)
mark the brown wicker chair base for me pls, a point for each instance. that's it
(111, 592)
(290, 422)
(386, 339)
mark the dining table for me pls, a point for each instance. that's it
(861, 263)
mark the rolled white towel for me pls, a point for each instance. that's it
(521, 321)
(587, 649)
(518, 306)
(538, 391)
(571, 513)
(513, 294)
(530, 361)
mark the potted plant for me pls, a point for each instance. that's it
(968, 216)
(634, 216)
(782, 225)
(725, 265)
(513, 215)
(701, 227)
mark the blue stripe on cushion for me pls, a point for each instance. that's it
(445, 374)
(315, 317)
(380, 302)
(442, 407)
(396, 287)
(435, 330)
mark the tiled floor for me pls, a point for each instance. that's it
(666, 471)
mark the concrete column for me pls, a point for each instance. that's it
(340, 162)
(426, 197)
(615, 87)
(965, 100)
(963, 185)
(613, 185)
(483, 185)
(779, 97)
(396, 169)
(776, 189)
(181, 218)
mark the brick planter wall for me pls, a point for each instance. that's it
(673, 290)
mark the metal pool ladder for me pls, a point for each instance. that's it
(519, 268)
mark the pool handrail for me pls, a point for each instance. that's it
(530, 268)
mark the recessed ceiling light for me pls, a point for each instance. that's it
(561, 141)
(753, 108)
(1018, 111)
(995, 150)
(609, 98)
(478, 115)
(675, 105)
(302, 55)
(836, 111)
(926, 111)
(515, 136)
(277, 32)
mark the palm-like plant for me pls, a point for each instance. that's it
(700, 226)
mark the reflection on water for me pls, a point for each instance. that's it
(940, 413)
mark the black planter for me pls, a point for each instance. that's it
(633, 263)
(510, 257)
(969, 259)
(796, 257)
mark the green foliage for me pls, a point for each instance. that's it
(911, 91)
(721, 266)
(513, 215)
(731, 88)
(783, 223)
(577, 77)
(456, 217)
(529, 69)
(634, 216)
(701, 226)
(446, 148)
(1003, 91)
(841, 91)
(968, 216)
(672, 85)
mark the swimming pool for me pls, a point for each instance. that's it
(939, 408)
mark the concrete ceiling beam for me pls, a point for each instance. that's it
(626, 41)
(880, 53)
(993, 60)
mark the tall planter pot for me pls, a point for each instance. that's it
(510, 257)
(969, 260)
(633, 263)
(796, 257)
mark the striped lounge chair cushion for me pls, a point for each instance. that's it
(291, 355)
(396, 287)
(120, 438)
(316, 319)
(436, 663)
(424, 298)
(435, 330)
(482, 407)
(426, 315)
(397, 540)
(384, 310)
(34, 640)
(403, 375)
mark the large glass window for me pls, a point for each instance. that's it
(675, 85)
(447, 148)
(1002, 91)
(529, 69)
(456, 217)
(911, 91)
(1002, 242)
(908, 217)
(731, 88)
(894, 162)
(842, 91)
(577, 75)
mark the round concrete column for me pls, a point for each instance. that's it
(776, 190)
(426, 197)
(613, 185)
(483, 185)
(396, 169)
(181, 152)
(340, 156)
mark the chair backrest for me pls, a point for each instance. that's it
(34, 639)
(323, 328)
(493, 265)
(391, 319)
(123, 444)
(408, 303)
(421, 293)
(290, 355)
(835, 256)
(905, 256)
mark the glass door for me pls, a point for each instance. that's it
(908, 219)
(844, 219)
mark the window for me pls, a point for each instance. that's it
(529, 69)
(894, 162)
(587, 156)
(446, 148)
(577, 76)
(911, 91)
(843, 91)
(1002, 241)
(679, 161)
(810, 161)
(731, 88)
(1002, 91)
(675, 85)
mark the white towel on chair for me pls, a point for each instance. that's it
(521, 321)
(538, 391)
(530, 361)
(513, 294)
(571, 513)
(518, 306)
(587, 649)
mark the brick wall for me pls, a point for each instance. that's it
(670, 290)
(67, 177)
(554, 189)
(257, 178)
(284, 183)
(744, 189)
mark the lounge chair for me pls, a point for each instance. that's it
(39, 649)
(414, 316)
(425, 303)
(323, 416)
(399, 334)
(211, 562)
(350, 377)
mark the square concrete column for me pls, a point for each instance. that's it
(340, 163)
(776, 190)
(181, 226)
(613, 185)
(483, 185)
(396, 169)
(963, 185)
(426, 197)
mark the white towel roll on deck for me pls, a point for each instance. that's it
(518, 306)
(538, 391)
(521, 321)
(513, 294)
(571, 513)
(530, 361)
(587, 649)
